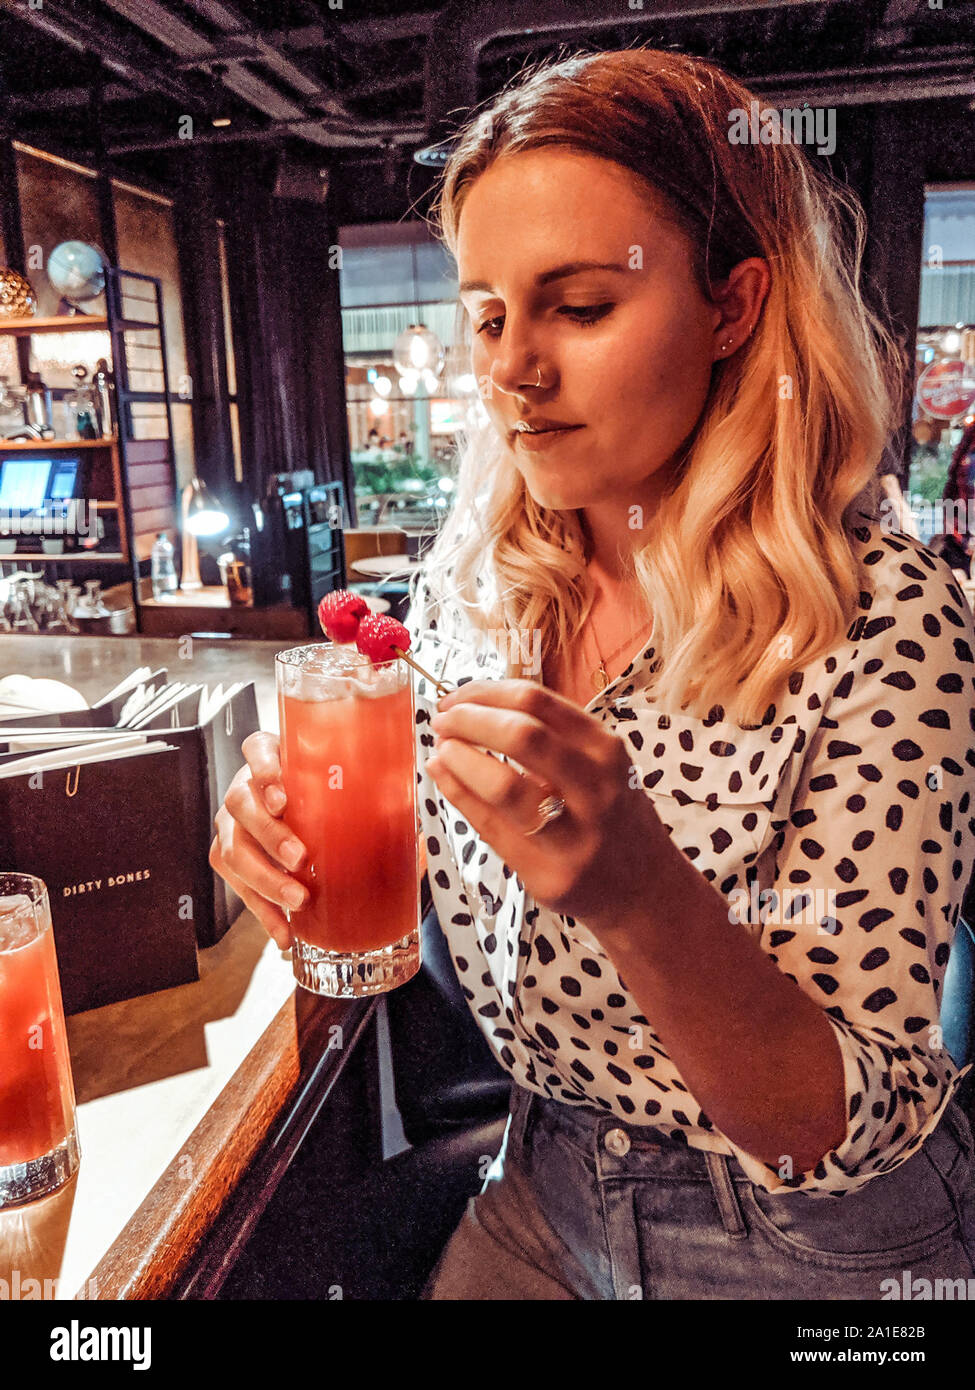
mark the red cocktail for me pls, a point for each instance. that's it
(38, 1145)
(348, 760)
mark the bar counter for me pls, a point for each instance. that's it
(191, 1100)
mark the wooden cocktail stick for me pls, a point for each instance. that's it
(441, 688)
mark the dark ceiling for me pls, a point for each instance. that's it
(355, 77)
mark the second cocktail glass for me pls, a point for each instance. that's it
(38, 1144)
(348, 762)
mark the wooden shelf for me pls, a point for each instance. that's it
(71, 558)
(35, 444)
(59, 323)
(209, 596)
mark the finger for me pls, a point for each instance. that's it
(540, 703)
(493, 825)
(246, 805)
(535, 746)
(271, 918)
(263, 753)
(498, 785)
(489, 823)
(237, 850)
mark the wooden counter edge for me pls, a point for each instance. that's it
(153, 1249)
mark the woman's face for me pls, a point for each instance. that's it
(624, 353)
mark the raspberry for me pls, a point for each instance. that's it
(378, 635)
(340, 614)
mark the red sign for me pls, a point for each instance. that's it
(946, 389)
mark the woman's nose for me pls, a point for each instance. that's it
(514, 357)
(513, 373)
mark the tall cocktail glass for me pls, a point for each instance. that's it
(348, 762)
(38, 1145)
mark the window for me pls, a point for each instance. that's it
(403, 445)
(228, 338)
(945, 336)
(147, 243)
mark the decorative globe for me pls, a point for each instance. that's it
(418, 350)
(17, 297)
(77, 271)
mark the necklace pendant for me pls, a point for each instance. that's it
(600, 678)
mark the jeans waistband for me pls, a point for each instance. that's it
(622, 1149)
(624, 1144)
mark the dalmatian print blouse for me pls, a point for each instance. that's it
(841, 829)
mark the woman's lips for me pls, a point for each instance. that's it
(534, 442)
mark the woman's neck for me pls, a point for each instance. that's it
(611, 633)
(609, 543)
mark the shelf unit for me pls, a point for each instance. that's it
(9, 446)
(132, 474)
(104, 480)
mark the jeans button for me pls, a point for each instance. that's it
(618, 1142)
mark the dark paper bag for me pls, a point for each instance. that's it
(210, 758)
(207, 757)
(109, 840)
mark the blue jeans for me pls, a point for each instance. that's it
(580, 1206)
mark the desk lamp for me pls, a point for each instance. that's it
(202, 515)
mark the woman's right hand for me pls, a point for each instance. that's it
(253, 849)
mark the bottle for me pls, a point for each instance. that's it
(164, 579)
(238, 571)
(39, 408)
(102, 385)
(82, 398)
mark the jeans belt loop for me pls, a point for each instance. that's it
(727, 1198)
(522, 1112)
(959, 1125)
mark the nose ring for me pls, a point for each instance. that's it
(501, 388)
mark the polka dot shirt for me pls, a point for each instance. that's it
(841, 831)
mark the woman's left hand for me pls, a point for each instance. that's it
(594, 861)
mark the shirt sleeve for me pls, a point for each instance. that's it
(881, 826)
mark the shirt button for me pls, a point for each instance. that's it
(618, 1142)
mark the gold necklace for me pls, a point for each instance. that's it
(600, 676)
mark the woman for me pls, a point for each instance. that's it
(699, 894)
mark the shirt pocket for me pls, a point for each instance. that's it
(716, 786)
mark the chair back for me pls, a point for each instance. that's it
(325, 517)
(958, 997)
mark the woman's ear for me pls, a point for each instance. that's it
(738, 302)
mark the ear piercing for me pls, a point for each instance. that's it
(725, 346)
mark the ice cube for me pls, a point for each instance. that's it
(18, 924)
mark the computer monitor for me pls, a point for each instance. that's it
(24, 484)
(62, 484)
(32, 484)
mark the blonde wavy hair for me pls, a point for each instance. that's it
(749, 546)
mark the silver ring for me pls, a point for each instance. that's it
(549, 808)
(539, 370)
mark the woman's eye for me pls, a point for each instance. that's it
(583, 314)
